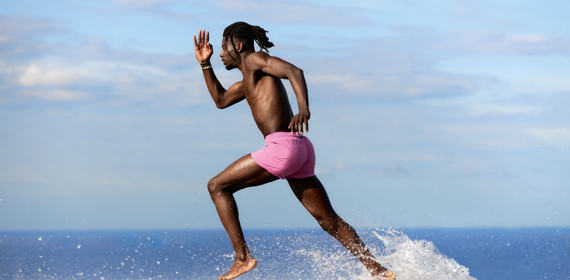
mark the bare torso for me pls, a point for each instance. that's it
(268, 101)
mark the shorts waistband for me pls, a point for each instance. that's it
(282, 134)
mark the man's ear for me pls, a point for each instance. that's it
(239, 47)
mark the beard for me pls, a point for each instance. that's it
(231, 62)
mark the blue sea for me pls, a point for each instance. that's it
(527, 253)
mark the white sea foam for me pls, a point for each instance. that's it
(409, 259)
(417, 259)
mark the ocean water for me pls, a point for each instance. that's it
(529, 253)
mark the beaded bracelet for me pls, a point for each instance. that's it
(207, 67)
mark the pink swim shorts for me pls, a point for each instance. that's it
(287, 155)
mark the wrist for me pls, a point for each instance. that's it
(205, 65)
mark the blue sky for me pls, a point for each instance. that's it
(424, 114)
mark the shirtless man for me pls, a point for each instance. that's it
(288, 154)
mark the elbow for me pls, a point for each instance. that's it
(220, 102)
(298, 72)
(223, 104)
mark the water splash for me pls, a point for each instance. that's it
(409, 259)
(417, 259)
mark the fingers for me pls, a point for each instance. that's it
(293, 126)
(201, 34)
(305, 129)
(296, 125)
(203, 37)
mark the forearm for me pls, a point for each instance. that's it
(222, 97)
(299, 85)
(300, 122)
(215, 88)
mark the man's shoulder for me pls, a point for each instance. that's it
(258, 56)
(261, 54)
(256, 60)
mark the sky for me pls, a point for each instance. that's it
(437, 114)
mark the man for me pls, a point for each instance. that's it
(288, 154)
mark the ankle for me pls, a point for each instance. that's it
(243, 257)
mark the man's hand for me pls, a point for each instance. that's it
(202, 47)
(297, 122)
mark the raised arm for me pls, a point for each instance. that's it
(282, 69)
(222, 97)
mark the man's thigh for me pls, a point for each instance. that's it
(243, 173)
(312, 194)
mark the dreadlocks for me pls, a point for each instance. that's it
(246, 34)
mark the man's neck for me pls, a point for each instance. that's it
(243, 56)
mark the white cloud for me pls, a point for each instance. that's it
(105, 78)
(486, 41)
(475, 136)
(35, 76)
(24, 26)
(409, 85)
(501, 109)
(294, 11)
(86, 67)
(399, 157)
(56, 94)
(141, 4)
(557, 136)
(4, 39)
(347, 82)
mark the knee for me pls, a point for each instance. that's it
(214, 187)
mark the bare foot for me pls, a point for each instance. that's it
(239, 268)
(378, 271)
(386, 275)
